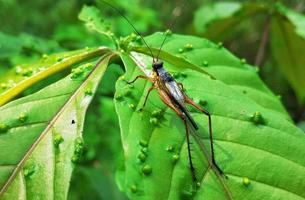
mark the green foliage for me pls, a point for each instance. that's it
(113, 146)
(39, 150)
(23, 77)
(217, 21)
(253, 135)
(288, 45)
(92, 16)
(220, 21)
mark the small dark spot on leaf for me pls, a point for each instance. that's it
(72, 122)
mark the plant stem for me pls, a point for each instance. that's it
(262, 46)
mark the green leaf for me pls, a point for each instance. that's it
(217, 20)
(24, 76)
(9, 45)
(41, 136)
(93, 18)
(255, 140)
(288, 45)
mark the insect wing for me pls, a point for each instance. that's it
(175, 91)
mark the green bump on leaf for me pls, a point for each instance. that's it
(45, 56)
(79, 145)
(168, 32)
(143, 143)
(156, 113)
(176, 75)
(59, 59)
(133, 188)
(131, 106)
(18, 70)
(118, 96)
(170, 148)
(75, 159)
(3, 127)
(203, 102)
(153, 121)
(246, 181)
(78, 149)
(142, 157)
(3, 86)
(257, 118)
(184, 75)
(205, 63)
(144, 150)
(127, 92)
(29, 171)
(76, 72)
(57, 139)
(243, 61)
(180, 50)
(187, 194)
(219, 45)
(27, 72)
(176, 158)
(88, 92)
(147, 170)
(188, 47)
(22, 117)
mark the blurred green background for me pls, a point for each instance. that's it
(255, 30)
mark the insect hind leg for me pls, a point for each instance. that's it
(187, 133)
(166, 99)
(190, 101)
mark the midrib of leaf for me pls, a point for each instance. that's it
(99, 69)
(26, 83)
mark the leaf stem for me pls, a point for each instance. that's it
(262, 46)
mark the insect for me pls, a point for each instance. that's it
(173, 95)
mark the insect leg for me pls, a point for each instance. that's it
(146, 97)
(139, 76)
(190, 101)
(189, 149)
(166, 99)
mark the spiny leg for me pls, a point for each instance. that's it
(189, 101)
(139, 76)
(187, 133)
(166, 99)
(146, 97)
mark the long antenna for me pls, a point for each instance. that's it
(129, 22)
(170, 26)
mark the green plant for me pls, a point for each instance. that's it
(256, 141)
(276, 30)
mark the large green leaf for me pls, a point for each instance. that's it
(288, 45)
(41, 136)
(256, 143)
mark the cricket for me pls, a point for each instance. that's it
(172, 95)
